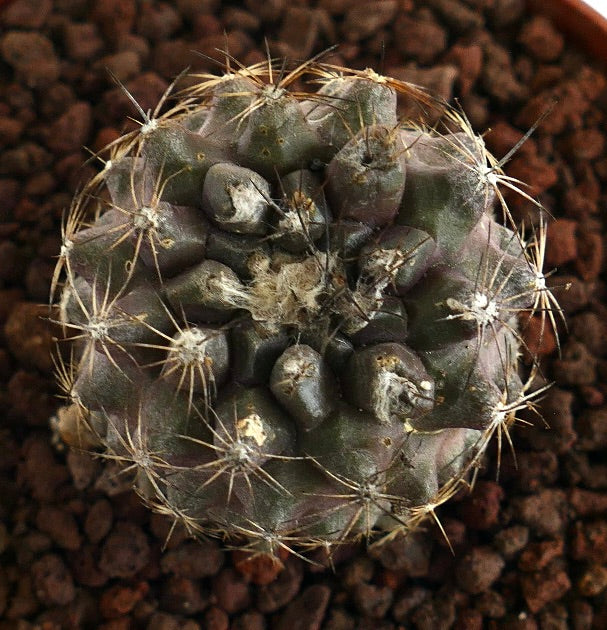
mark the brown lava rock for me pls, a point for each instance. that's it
(478, 569)
(125, 551)
(52, 580)
(481, 509)
(76, 551)
(545, 586)
(29, 335)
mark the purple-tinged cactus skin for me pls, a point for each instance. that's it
(292, 314)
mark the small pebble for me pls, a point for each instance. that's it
(183, 596)
(120, 600)
(539, 37)
(114, 17)
(60, 525)
(410, 554)
(479, 569)
(53, 582)
(421, 39)
(231, 591)
(158, 21)
(125, 551)
(365, 18)
(122, 66)
(29, 335)
(98, 520)
(482, 508)
(542, 587)
(82, 41)
(544, 512)
(251, 620)
(193, 559)
(372, 601)
(25, 14)
(307, 611)
(538, 555)
(32, 56)
(273, 596)
(593, 581)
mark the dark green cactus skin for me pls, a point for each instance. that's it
(295, 316)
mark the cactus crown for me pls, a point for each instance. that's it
(293, 313)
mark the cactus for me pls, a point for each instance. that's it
(293, 315)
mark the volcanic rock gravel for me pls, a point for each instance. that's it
(527, 549)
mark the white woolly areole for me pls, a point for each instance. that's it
(248, 202)
(296, 217)
(66, 248)
(499, 415)
(191, 346)
(140, 455)
(226, 290)
(146, 218)
(358, 307)
(383, 264)
(369, 491)
(240, 453)
(251, 426)
(297, 366)
(97, 328)
(273, 92)
(294, 368)
(490, 176)
(540, 281)
(389, 388)
(480, 309)
(292, 221)
(149, 126)
(369, 73)
(64, 302)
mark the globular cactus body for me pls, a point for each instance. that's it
(294, 315)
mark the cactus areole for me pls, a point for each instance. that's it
(294, 314)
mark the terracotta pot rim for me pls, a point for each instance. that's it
(582, 25)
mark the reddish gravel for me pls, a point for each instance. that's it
(77, 548)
